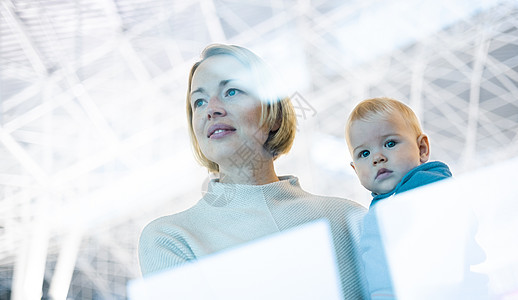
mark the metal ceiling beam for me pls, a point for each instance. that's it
(216, 32)
(24, 158)
(476, 78)
(65, 265)
(31, 51)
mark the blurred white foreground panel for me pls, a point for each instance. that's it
(457, 238)
(294, 264)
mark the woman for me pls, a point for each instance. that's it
(239, 125)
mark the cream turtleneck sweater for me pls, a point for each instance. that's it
(232, 214)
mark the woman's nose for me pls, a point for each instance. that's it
(215, 108)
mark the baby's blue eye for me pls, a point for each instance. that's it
(364, 153)
(390, 144)
(198, 103)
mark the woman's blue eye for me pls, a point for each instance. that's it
(390, 144)
(364, 153)
(231, 92)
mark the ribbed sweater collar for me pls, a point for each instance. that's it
(238, 195)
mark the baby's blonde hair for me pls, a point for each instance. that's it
(382, 107)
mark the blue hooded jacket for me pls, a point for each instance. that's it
(371, 246)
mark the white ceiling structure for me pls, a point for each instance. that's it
(93, 139)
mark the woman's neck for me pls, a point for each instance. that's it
(256, 173)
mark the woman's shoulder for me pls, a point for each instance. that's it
(174, 221)
(335, 200)
(319, 199)
(332, 207)
(352, 210)
(164, 242)
(161, 227)
(339, 201)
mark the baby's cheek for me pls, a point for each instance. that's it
(364, 179)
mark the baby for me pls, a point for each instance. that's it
(390, 155)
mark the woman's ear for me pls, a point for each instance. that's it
(352, 165)
(424, 147)
(277, 123)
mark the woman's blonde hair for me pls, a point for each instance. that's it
(383, 107)
(277, 109)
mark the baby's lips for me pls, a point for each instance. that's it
(382, 171)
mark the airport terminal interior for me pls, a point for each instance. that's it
(93, 132)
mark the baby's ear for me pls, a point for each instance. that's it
(424, 147)
(352, 165)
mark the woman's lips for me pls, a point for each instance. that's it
(383, 173)
(217, 131)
